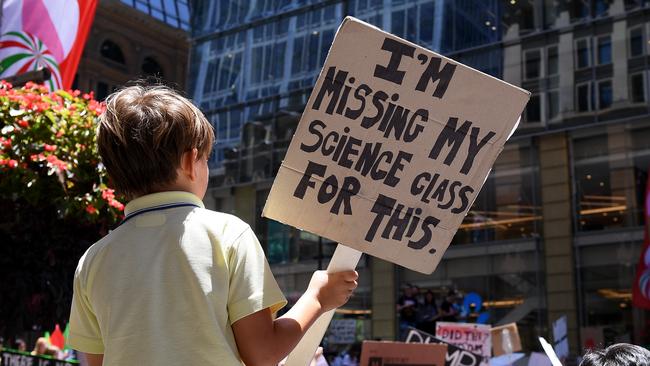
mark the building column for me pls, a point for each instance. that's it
(558, 234)
(384, 318)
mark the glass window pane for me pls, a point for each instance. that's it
(583, 97)
(636, 42)
(533, 110)
(582, 53)
(426, 23)
(533, 64)
(552, 61)
(553, 100)
(604, 50)
(397, 23)
(605, 94)
(637, 88)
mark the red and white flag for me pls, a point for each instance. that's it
(44, 34)
(641, 286)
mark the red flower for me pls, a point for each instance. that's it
(5, 142)
(49, 147)
(91, 209)
(117, 204)
(12, 163)
(5, 84)
(23, 123)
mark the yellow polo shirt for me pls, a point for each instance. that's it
(165, 286)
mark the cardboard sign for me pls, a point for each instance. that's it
(343, 331)
(397, 353)
(12, 358)
(455, 356)
(393, 147)
(475, 338)
(505, 339)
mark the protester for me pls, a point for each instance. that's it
(176, 284)
(428, 313)
(40, 348)
(448, 312)
(407, 307)
(621, 354)
(20, 345)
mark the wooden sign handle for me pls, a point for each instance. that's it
(344, 259)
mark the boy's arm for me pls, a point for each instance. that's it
(90, 359)
(264, 341)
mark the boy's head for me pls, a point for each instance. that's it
(145, 134)
(621, 354)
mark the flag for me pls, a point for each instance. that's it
(641, 286)
(56, 338)
(66, 335)
(44, 34)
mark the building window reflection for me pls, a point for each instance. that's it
(583, 53)
(604, 50)
(636, 41)
(604, 94)
(637, 88)
(610, 169)
(507, 206)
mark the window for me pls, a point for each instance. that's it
(551, 61)
(102, 91)
(605, 94)
(604, 50)
(553, 104)
(532, 64)
(583, 54)
(533, 109)
(151, 67)
(637, 88)
(611, 170)
(583, 97)
(636, 41)
(112, 51)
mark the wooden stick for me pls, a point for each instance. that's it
(344, 259)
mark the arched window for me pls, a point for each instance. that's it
(112, 51)
(151, 67)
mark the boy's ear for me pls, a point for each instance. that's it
(188, 163)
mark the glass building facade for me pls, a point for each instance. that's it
(176, 13)
(558, 225)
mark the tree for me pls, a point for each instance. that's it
(55, 201)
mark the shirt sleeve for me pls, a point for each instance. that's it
(85, 335)
(252, 285)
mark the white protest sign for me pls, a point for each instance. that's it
(393, 147)
(560, 340)
(476, 338)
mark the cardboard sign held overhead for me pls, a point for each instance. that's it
(475, 338)
(505, 339)
(455, 356)
(396, 353)
(393, 147)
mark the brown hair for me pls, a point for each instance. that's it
(143, 134)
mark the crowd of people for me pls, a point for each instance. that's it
(420, 309)
(42, 347)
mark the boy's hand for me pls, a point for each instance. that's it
(332, 290)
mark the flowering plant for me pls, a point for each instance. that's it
(48, 153)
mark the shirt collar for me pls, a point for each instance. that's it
(161, 199)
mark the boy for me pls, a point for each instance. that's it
(176, 284)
